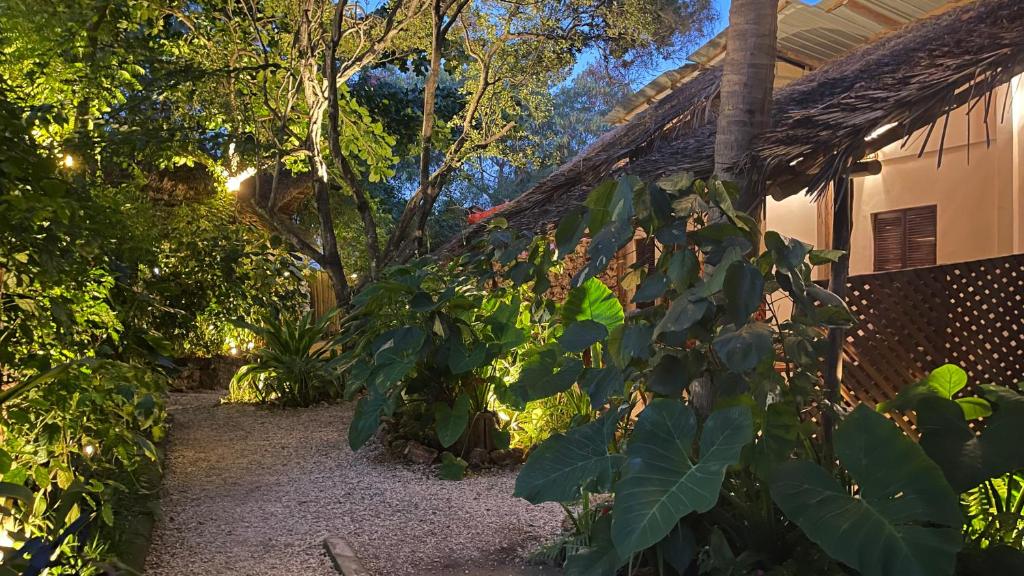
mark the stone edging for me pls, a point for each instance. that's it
(343, 557)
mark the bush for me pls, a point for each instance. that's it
(296, 363)
(440, 351)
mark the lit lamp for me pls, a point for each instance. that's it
(235, 182)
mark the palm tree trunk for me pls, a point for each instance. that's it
(748, 78)
(747, 81)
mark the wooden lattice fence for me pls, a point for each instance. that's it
(912, 321)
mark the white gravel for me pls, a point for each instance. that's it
(253, 492)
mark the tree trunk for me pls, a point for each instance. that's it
(842, 230)
(747, 81)
(332, 259)
(748, 77)
(406, 237)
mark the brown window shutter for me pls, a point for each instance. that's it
(904, 238)
(889, 240)
(921, 236)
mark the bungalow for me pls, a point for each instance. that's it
(897, 135)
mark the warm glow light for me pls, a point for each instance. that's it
(88, 450)
(354, 276)
(156, 270)
(1018, 95)
(250, 345)
(881, 130)
(234, 350)
(5, 542)
(69, 161)
(235, 182)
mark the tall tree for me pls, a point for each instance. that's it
(748, 77)
(288, 96)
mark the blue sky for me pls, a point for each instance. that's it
(722, 20)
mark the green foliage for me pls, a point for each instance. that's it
(702, 327)
(904, 519)
(81, 405)
(661, 483)
(428, 334)
(984, 466)
(565, 464)
(452, 467)
(295, 364)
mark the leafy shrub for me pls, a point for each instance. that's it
(294, 365)
(80, 405)
(69, 450)
(443, 365)
(706, 440)
(984, 464)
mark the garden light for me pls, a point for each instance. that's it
(69, 161)
(89, 450)
(234, 183)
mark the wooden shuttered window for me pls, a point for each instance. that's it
(904, 238)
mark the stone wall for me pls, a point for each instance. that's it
(205, 373)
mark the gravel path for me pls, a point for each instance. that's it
(253, 492)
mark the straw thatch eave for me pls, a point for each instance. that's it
(915, 77)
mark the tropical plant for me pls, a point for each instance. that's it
(295, 364)
(974, 439)
(441, 364)
(747, 486)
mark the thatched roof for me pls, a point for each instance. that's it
(914, 77)
(181, 184)
(292, 191)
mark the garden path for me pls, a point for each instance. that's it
(253, 492)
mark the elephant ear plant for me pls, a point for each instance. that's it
(975, 441)
(738, 484)
(432, 349)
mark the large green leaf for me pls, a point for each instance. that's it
(968, 459)
(682, 314)
(744, 291)
(560, 467)
(598, 203)
(451, 421)
(630, 341)
(601, 558)
(669, 377)
(611, 202)
(651, 288)
(543, 376)
(570, 231)
(601, 384)
(904, 522)
(742, 350)
(593, 301)
(581, 335)
(603, 247)
(462, 359)
(395, 354)
(367, 417)
(660, 483)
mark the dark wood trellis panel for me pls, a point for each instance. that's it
(912, 321)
